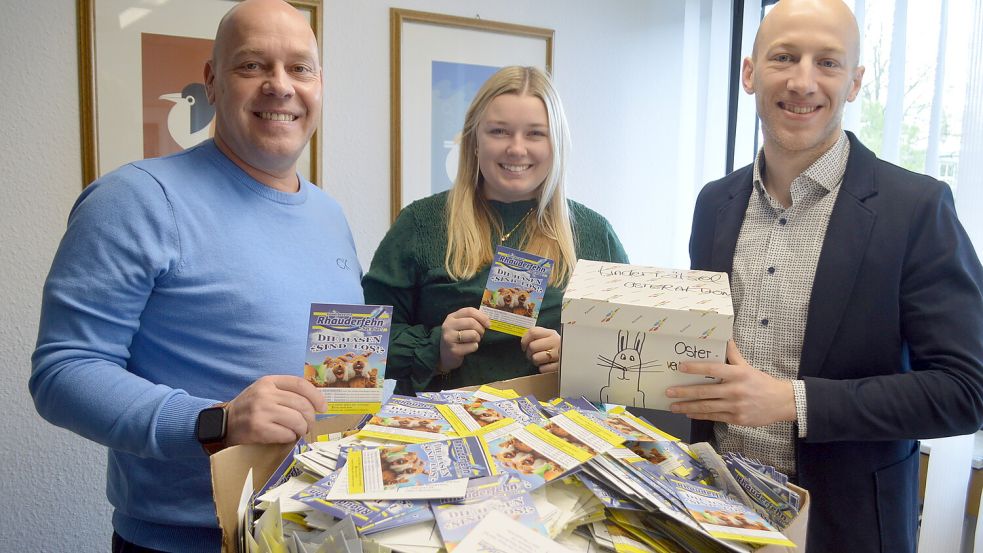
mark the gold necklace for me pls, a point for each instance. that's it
(509, 233)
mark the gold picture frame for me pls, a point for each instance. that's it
(451, 55)
(114, 38)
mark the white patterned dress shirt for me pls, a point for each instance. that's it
(774, 268)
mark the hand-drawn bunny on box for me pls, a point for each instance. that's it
(625, 372)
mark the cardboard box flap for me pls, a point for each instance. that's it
(229, 469)
(543, 386)
(799, 528)
(230, 466)
(634, 285)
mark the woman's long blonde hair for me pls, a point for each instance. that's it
(471, 219)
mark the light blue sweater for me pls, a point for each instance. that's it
(179, 282)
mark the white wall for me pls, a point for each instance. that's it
(617, 67)
(53, 481)
(617, 64)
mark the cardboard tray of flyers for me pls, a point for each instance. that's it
(230, 467)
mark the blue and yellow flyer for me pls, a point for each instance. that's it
(514, 293)
(347, 349)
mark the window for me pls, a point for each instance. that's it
(921, 103)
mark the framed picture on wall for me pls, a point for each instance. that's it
(437, 64)
(141, 79)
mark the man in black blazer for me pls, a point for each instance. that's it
(857, 296)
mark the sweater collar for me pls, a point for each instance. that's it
(289, 198)
(512, 211)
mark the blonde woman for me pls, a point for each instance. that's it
(433, 264)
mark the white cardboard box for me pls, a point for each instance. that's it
(626, 328)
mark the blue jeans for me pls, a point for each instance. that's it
(122, 546)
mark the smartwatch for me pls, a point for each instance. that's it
(211, 427)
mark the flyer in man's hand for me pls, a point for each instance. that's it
(347, 349)
(515, 289)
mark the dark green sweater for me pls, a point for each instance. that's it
(408, 273)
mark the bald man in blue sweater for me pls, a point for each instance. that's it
(174, 318)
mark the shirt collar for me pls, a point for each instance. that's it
(827, 171)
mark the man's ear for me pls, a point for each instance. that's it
(209, 73)
(858, 77)
(747, 75)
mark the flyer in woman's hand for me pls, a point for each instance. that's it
(514, 293)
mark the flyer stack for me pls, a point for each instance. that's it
(490, 470)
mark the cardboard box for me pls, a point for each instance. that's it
(230, 466)
(626, 328)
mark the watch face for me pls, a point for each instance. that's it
(211, 425)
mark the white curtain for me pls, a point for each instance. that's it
(704, 89)
(969, 193)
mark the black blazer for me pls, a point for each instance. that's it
(893, 349)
